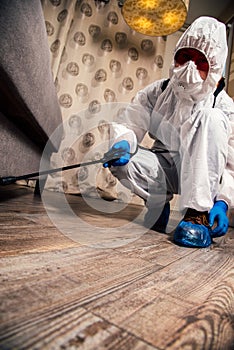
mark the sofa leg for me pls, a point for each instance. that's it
(39, 187)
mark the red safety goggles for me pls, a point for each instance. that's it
(184, 55)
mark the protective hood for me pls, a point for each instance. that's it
(207, 35)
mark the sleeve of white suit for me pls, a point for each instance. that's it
(134, 121)
(120, 132)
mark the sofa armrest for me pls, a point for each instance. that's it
(27, 92)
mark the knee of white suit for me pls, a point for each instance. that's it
(204, 158)
(143, 175)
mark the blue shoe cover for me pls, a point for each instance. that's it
(192, 235)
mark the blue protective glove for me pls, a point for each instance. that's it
(123, 148)
(218, 215)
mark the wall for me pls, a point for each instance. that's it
(98, 64)
(230, 68)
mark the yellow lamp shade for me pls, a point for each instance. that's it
(154, 17)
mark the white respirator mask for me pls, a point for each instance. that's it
(187, 83)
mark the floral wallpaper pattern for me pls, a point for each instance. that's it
(97, 62)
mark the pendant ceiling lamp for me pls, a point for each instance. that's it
(154, 17)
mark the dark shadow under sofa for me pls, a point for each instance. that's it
(29, 109)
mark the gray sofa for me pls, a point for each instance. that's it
(29, 109)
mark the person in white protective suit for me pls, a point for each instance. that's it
(192, 124)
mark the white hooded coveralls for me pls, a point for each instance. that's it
(194, 142)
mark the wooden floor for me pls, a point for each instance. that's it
(59, 291)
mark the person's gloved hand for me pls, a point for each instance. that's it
(121, 149)
(218, 215)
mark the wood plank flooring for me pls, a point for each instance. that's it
(60, 290)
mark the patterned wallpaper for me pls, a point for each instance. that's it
(230, 87)
(98, 65)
